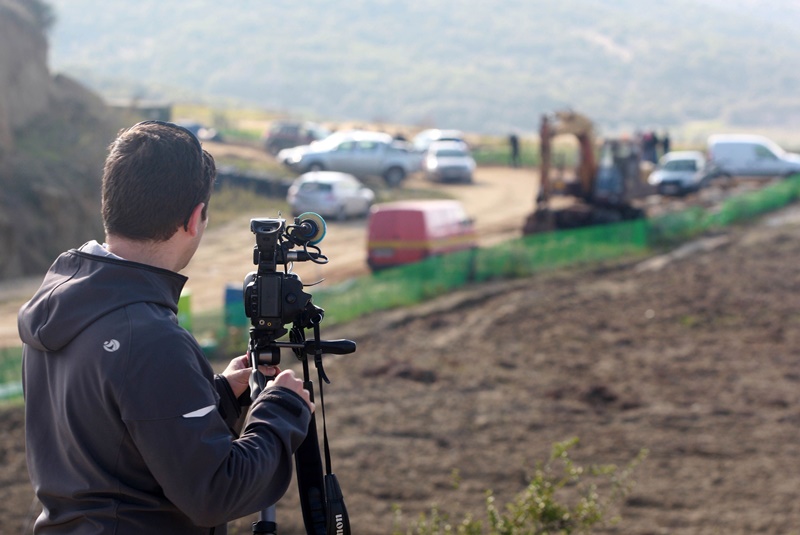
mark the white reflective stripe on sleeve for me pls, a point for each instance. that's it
(199, 413)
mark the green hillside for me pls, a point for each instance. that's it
(487, 66)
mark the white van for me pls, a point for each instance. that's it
(679, 172)
(749, 155)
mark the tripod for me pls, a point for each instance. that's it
(321, 500)
(273, 300)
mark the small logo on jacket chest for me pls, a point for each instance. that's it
(111, 345)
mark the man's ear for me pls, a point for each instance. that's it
(196, 220)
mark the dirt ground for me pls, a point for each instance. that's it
(692, 355)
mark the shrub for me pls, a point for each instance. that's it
(561, 498)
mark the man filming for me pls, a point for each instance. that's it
(128, 429)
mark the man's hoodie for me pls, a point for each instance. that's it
(125, 420)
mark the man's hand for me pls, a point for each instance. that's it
(238, 373)
(287, 379)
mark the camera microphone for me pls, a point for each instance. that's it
(309, 228)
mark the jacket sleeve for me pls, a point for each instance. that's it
(186, 444)
(230, 408)
(213, 478)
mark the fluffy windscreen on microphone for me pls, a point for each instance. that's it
(309, 228)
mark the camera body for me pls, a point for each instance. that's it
(275, 297)
(273, 300)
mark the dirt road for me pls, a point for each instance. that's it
(499, 200)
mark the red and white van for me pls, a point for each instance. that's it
(408, 231)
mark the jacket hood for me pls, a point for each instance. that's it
(80, 287)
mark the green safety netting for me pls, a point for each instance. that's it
(405, 285)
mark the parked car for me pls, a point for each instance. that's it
(357, 152)
(448, 161)
(749, 155)
(402, 232)
(679, 172)
(330, 194)
(424, 139)
(283, 135)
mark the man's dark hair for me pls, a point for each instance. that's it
(156, 173)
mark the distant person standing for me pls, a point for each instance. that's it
(650, 147)
(665, 142)
(513, 141)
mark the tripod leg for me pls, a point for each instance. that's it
(310, 482)
(266, 524)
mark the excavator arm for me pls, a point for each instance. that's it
(561, 123)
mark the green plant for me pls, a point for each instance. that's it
(561, 498)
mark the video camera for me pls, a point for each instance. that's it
(273, 299)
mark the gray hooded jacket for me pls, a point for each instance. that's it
(128, 430)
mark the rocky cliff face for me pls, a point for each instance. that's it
(53, 137)
(24, 78)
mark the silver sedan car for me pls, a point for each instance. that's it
(448, 161)
(330, 194)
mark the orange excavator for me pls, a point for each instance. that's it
(606, 188)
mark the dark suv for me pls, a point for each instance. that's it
(284, 135)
